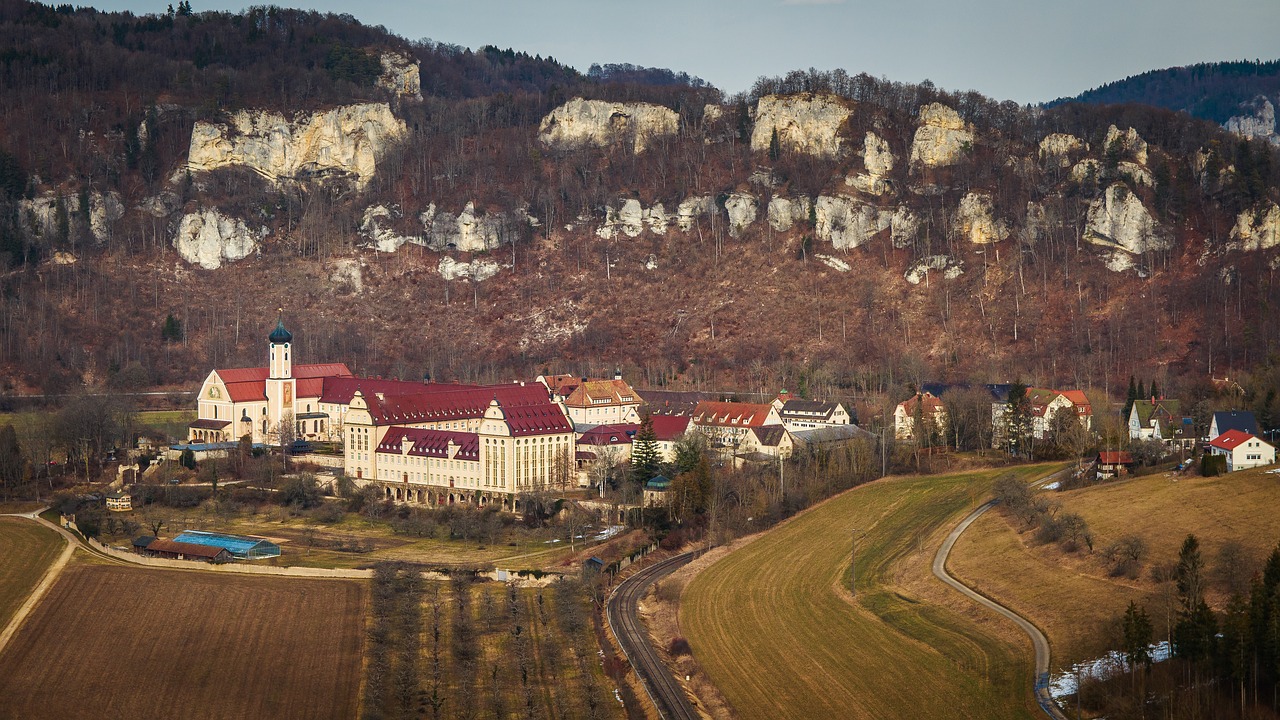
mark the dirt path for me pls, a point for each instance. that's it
(45, 583)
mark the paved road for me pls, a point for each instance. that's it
(665, 691)
(1038, 640)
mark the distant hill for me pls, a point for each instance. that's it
(1210, 91)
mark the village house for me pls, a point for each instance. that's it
(1242, 450)
(725, 424)
(1044, 405)
(669, 429)
(656, 492)
(798, 414)
(1160, 419)
(766, 442)
(618, 436)
(926, 405)
(1241, 420)
(1113, 463)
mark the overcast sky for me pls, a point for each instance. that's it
(1024, 50)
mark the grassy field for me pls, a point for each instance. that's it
(123, 642)
(172, 423)
(28, 550)
(1073, 597)
(774, 627)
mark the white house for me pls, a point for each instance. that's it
(1242, 450)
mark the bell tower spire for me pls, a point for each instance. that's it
(281, 341)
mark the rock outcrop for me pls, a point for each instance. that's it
(975, 222)
(631, 218)
(598, 123)
(400, 76)
(847, 223)
(948, 267)
(374, 225)
(742, 210)
(941, 138)
(904, 227)
(1129, 143)
(1119, 219)
(346, 142)
(1258, 229)
(469, 230)
(692, 208)
(477, 270)
(1261, 123)
(1057, 148)
(207, 238)
(786, 212)
(40, 215)
(878, 161)
(808, 124)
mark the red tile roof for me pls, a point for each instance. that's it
(932, 404)
(188, 549)
(616, 392)
(669, 427)
(614, 434)
(431, 443)
(1115, 457)
(727, 414)
(340, 390)
(527, 409)
(249, 384)
(1231, 439)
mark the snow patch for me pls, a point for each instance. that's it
(834, 263)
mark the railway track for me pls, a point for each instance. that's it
(664, 690)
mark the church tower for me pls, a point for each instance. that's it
(280, 385)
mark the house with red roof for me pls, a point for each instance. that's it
(594, 401)
(726, 424)
(1242, 450)
(923, 403)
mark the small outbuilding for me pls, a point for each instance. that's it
(655, 492)
(1113, 463)
(240, 547)
(174, 550)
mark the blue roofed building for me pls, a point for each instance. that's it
(241, 547)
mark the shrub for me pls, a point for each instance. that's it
(679, 646)
(1213, 465)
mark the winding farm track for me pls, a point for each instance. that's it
(1038, 639)
(665, 691)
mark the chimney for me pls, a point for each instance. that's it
(617, 373)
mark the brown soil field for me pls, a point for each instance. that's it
(28, 550)
(121, 642)
(1073, 596)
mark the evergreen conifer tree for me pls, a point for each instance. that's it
(645, 463)
(1130, 397)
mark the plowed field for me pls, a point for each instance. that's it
(122, 642)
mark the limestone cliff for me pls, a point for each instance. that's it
(1119, 219)
(786, 212)
(1258, 229)
(742, 212)
(943, 266)
(975, 222)
(690, 209)
(207, 238)
(345, 141)
(400, 76)
(1057, 148)
(941, 138)
(598, 123)
(468, 231)
(40, 214)
(1129, 143)
(1261, 123)
(847, 223)
(878, 161)
(808, 124)
(477, 270)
